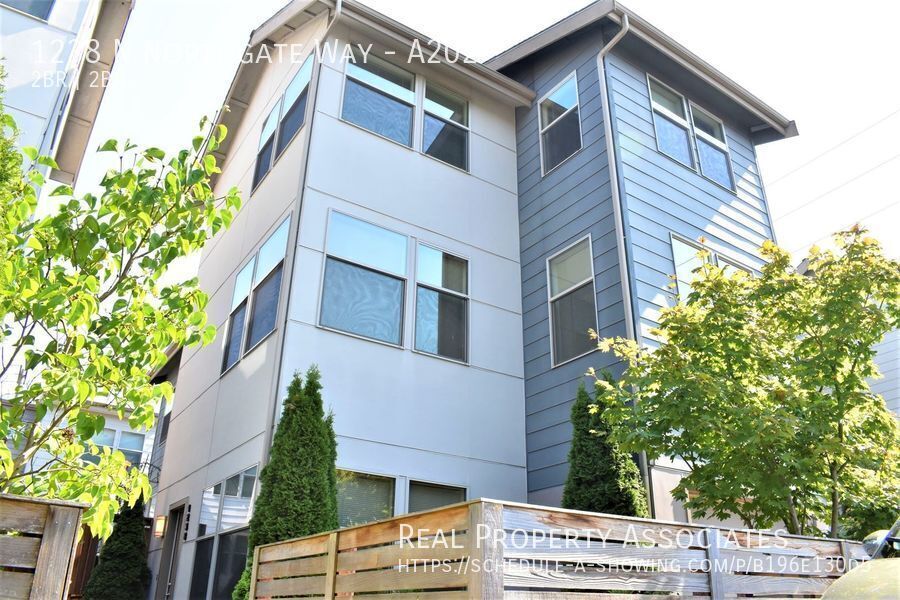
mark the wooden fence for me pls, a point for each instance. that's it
(37, 543)
(490, 549)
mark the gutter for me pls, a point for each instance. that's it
(618, 212)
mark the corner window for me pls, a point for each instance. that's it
(427, 496)
(294, 106)
(363, 498)
(220, 557)
(670, 120)
(254, 302)
(380, 97)
(573, 308)
(712, 150)
(446, 127)
(560, 124)
(442, 304)
(365, 280)
(36, 8)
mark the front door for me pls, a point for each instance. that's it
(169, 562)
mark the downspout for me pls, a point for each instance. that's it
(624, 276)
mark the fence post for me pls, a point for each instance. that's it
(253, 571)
(331, 565)
(716, 578)
(485, 568)
(54, 561)
(845, 556)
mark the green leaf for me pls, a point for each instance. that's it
(34, 243)
(30, 151)
(109, 146)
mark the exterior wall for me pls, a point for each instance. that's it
(888, 361)
(41, 59)
(555, 211)
(219, 422)
(398, 412)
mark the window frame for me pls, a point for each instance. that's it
(379, 475)
(687, 123)
(45, 19)
(326, 255)
(116, 441)
(414, 117)
(542, 129)
(715, 258)
(418, 480)
(553, 297)
(247, 302)
(440, 289)
(272, 139)
(467, 127)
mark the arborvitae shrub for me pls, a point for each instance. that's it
(122, 571)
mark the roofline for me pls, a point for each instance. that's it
(614, 11)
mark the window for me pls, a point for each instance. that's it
(380, 97)
(283, 122)
(364, 284)
(363, 498)
(425, 496)
(670, 120)
(221, 554)
(35, 8)
(254, 302)
(573, 309)
(560, 124)
(294, 106)
(712, 150)
(689, 257)
(442, 305)
(445, 127)
(266, 152)
(164, 422)
(676, 137)
(129, 443)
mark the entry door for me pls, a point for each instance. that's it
(169, 562)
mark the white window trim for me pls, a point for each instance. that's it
(404, 278)
(551, 298)
(436, 288)
(244, 350)
(542, 129)
(418, 122)
(692, 132)
(714, 258)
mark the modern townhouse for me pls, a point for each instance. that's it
(438, 237)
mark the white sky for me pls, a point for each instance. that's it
(829, 65)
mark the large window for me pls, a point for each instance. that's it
(254, 302)
(363, 498)
(283, 122)
(129, 443)
(689, 258)
(446, 127)
(221, 549)
(425, 496)
(572, 303)
(380, 97)
(442, 304)
(690, 134)
(560, 124)
(365, 280)
(36, 8)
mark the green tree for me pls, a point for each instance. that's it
(602, 477)
(86, 315)
(760, 385)
(298, 486)
(122, 571)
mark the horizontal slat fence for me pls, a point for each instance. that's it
(37, 544)
(488, 549)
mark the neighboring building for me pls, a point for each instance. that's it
(57, 56)
(888, 361)
(610, 209)
(440, 250)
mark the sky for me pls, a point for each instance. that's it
(830, 66)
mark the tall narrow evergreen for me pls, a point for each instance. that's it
(602, 477)
(122, 571)
(298, 486)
